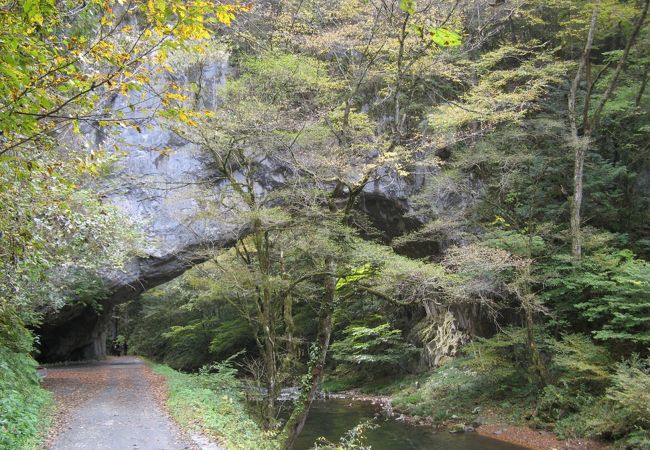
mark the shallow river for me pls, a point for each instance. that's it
(332, 418)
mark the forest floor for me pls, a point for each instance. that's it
(113, 404)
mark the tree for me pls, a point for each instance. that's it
(591, 118)
(275, 116)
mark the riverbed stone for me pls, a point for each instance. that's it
(479, 421)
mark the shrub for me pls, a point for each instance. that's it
(372, 350)
(630, 392)
(581, 371)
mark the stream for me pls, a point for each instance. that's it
(333, 418)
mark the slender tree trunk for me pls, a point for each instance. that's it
(296, 422)
(397, 119)
(271, 366)
(528, 301)
(644, 83)
(287, 311)
(575, 201)
(613, 82)
(533, 350)
(267, 321)
(579, 144)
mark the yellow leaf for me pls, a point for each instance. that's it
(185, 119)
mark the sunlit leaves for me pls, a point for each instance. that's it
(227, 13)
(407, 6)
(505, 92)
(445, 37)
(355, 275)
(35, 9)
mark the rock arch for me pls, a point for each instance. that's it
(167, 184)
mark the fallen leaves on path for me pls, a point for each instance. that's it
(72, 386)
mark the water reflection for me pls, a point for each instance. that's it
(332, 418)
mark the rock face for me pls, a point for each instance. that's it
(167, 186)
(164, 185)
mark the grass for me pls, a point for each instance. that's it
(454, 392)
(218, 412)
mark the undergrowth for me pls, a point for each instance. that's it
(211, 402)
(24, 405)
(588, 394)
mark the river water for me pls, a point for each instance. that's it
(333, 418)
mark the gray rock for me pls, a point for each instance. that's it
(478, 422)
(457, 428)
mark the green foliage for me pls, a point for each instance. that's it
(187, 323)
(580, 360)
(221, 376)
(504, 93)
(630, 393)
(23, 402)
(615, 291)
(587, 395)
(372, 349)
(288, 77)
(581, 371)
(455, 392)
(408, 6)
(622, 413)
(444, 37)
(229, 336)
(504, 359)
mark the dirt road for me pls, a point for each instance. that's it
(114, 404)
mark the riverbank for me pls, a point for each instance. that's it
(491, 426)
(446, 400)
(536, 439)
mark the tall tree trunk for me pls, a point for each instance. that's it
(579, 144)
(575, 201)
(267, 322)
(296, 422)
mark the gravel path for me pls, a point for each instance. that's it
(110, 405)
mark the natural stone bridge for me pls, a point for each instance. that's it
(168, 193)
